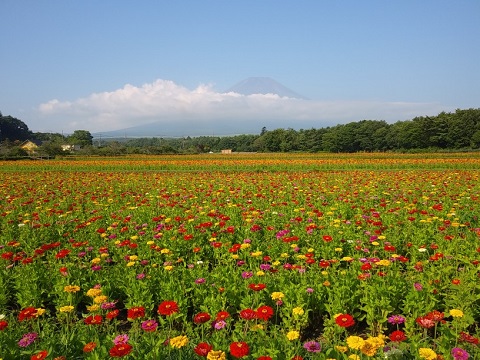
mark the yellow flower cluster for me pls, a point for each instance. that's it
(368, 347)
(216, 355)
(298, 311)
(178, 341)
(66, 309)
(426, 353)
(71, 288)
(456, 313)
(277, 295)
(293, 335)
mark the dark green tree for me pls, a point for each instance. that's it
(13, 129)
(81, 137)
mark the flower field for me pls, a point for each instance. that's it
(251, 256)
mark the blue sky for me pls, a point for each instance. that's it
(113, 64)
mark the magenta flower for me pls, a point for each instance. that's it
(312, 346)
(460, 354)
(27, 339)
(149, 325)
(396, 319)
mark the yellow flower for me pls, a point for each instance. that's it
(94, 292)
(168, 267)
(293, 335)
(456, 313)
(151, 242)
(369, 347)
(355, 342)
(260, 273)
(276, 263)
(71, 288)
(277, 295)
(257, 327)
(426, 353)
(130, 263)
(256, 254)
(326, 283)
(383, 263)
(104, 255)
(245, 246)
(235, 256)
(298, 311)
(342, 349)
(178, 341)
(96, 260)
(354, 357)
(165, 251)
(100, 299)
(39, 312)
(66, 309)
(216, 355)
(93, 308)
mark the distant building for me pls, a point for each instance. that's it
(30, 146)
(226, 151)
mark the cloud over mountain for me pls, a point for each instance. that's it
(175, 107)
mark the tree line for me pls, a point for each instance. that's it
(459, 130)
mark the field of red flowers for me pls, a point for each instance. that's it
(241, 256)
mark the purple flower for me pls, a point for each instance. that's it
(140, 276)
(149, 325)
(27, 339)
(309, 290)
(396, 319)
(108, 305)
(96, 267)
(265, 267)
(418, 286)
(312, 346)
(460, 354)
(200, 281)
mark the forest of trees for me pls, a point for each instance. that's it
(459, 130)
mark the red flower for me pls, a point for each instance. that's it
(93, 320)
(201, 318)
(436, 315)
(248, 314)
(136, 312)
(40, 355)
(344, 320)
(89, 347)
(397, 336)
(324, 264)
(167, 308)
(425, 322)
(264, 358)
(27, 313)
(120, 350)
(264, 313)
(222, 315)
(202, 349)
(62, 253)
(465, 337)
(257, 287)
(297, 357)
(456, 281)
(112, 314)
(239, 349)
(3, 325)
(327, 238)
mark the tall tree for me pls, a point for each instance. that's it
(81, 137)
(13, 129)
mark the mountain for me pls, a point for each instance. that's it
(263, 85)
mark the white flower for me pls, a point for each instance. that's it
(422, 249)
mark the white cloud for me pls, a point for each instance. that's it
(167, 103)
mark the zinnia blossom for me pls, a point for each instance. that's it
(135, 312)
(355, 342)
(167, 308)
(456, 313)
(121, 339)
(293, 335)
(264, 313)
(397, 336)
(202, 349)
(239, 349)
(120, 350)
(27, 339)
(396, 319)
(27, 313)
(149, 325)
(39, 355)
(277, 295)
(257, 287)
(426, 353)
(344, 320)
(3, 325)
(248, 314)
(222, 315)
(89, 347)
(312, 346)
(93, 320)
(216, 355)
(264, 358)
(178, 341)
(201, 318)
(460, 354)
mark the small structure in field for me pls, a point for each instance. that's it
(226, 151)
(30, 146)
